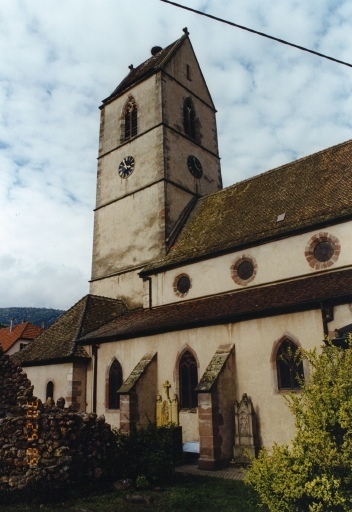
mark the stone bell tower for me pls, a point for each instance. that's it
(158, 153)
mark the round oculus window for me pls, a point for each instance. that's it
(245, 270)
(183, 284)
(323, 251)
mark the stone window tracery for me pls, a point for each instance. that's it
(188, 380)
(115, 382)
(289, 368)
(130, 119)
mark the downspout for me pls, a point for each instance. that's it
(95, 375)
(327, 313)
(149, 279)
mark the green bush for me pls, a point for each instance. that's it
(314, 473)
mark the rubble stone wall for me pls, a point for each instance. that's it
(48, 444)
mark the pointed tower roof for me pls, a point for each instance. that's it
(152, 65)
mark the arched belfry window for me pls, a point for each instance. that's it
(289, 367)
(49, 390)
(130, 118)
(115, 382)
(189, 118)
(188, 379)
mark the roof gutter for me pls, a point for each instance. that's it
(221, 320)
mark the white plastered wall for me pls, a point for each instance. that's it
(276, 261)
(255, 371)
(59, 374)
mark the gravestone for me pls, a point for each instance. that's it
(167, 409)
(246, 436)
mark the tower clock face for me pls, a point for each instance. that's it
(194, 166)
(126, 167)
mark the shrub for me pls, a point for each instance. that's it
(147, 453)
(314, 473)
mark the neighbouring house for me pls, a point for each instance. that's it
(16, 337)
(199, 296)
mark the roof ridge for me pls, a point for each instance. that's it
(173, 48)
(31, 328)
(86, 299)
(22, 324)
(275, 169)
(89, 298)
(301, 159)
(110, 299)
(146, 68)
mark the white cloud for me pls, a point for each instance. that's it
(60, 59)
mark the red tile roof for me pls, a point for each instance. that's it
(24, 331)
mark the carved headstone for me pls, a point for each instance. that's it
(246, 439)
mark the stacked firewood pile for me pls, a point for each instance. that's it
(15, 388)
(46, 444)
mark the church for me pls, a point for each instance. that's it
(199, 296)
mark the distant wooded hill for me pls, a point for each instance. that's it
(36, 316)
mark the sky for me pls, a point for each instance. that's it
(60, 58)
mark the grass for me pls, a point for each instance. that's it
(184, 493)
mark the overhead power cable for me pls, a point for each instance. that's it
(259, 33)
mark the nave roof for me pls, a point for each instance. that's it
(308, 193)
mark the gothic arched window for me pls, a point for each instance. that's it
(115, 382)
(188, 379)
(130, 118)
(189, 118)
(49, 390)
(289, 366)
